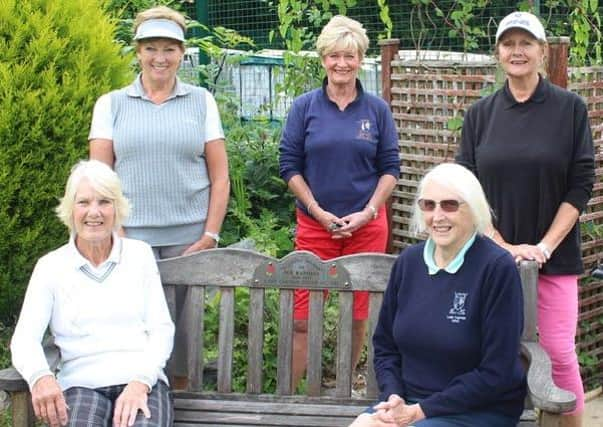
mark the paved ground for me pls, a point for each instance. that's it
(593, 413)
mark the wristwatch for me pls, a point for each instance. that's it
(544, 249)
(214, 236)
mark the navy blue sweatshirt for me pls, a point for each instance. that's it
(451, 341)
(340, 154)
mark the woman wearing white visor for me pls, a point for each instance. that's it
(165, 140)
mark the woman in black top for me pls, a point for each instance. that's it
(531, 147)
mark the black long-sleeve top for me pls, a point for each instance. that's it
(530, 157)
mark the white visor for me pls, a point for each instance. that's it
(159, 28)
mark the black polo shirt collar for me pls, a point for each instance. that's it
(539, 95)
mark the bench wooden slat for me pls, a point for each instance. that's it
(285, 343)
(343, 386)
(315, 338)
(208, 268)
(529, 276)
(260, 406)
(372, 388)
(255, 357)
(226, 339)
(264, 410)
(11, 380)
(193, 314)
(200, 422)
(370, 271)
(294, 404)
(264, 420)
(170, 299)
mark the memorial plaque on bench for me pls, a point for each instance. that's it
(301, 270)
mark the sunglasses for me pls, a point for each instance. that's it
(448, 205)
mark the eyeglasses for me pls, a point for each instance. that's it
(448, 205)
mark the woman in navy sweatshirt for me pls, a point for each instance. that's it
(448, 336)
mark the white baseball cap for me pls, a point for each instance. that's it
(524, 20)
(160, 28)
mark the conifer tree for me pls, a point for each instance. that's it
(56, 58)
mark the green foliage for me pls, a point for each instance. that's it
(590, 230)
(440, 25)
(5, 334)
(125, 11)
(271, 313)
(6, 419)
(270, 349)
(589, 362)
(299, 23)
(386, 20)
(260, 206)
(585, 48)
(458, 19)
(56, 58)
(216, 43)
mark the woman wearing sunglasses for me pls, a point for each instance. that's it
(530, 146)
(447, 339)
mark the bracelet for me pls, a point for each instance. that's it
(309, 206)
(544, 249)
(214, 236)
(373, 210)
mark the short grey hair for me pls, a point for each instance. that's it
(463, 183)
(104, 180)
(342, 32)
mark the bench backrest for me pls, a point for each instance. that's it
(227, 269)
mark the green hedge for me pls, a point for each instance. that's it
(56, 58)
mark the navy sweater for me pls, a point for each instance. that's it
(451, 341)
(340, 154)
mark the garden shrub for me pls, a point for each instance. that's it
(56, 59)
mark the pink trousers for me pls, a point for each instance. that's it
(557, 320)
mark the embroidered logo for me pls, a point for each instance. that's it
(458, 312)
(365, 130)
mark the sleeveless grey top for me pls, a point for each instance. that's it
(159, 157)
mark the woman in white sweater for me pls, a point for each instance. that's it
(101, 297)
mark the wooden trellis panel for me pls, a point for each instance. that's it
(425, 96)
(588, 83)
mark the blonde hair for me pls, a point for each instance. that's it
(462, 183)
(160, 12)
(103, 180)
(342, 33)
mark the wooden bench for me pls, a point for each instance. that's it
(223, 270)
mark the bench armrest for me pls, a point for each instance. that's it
(11, 380)
(543, 392)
